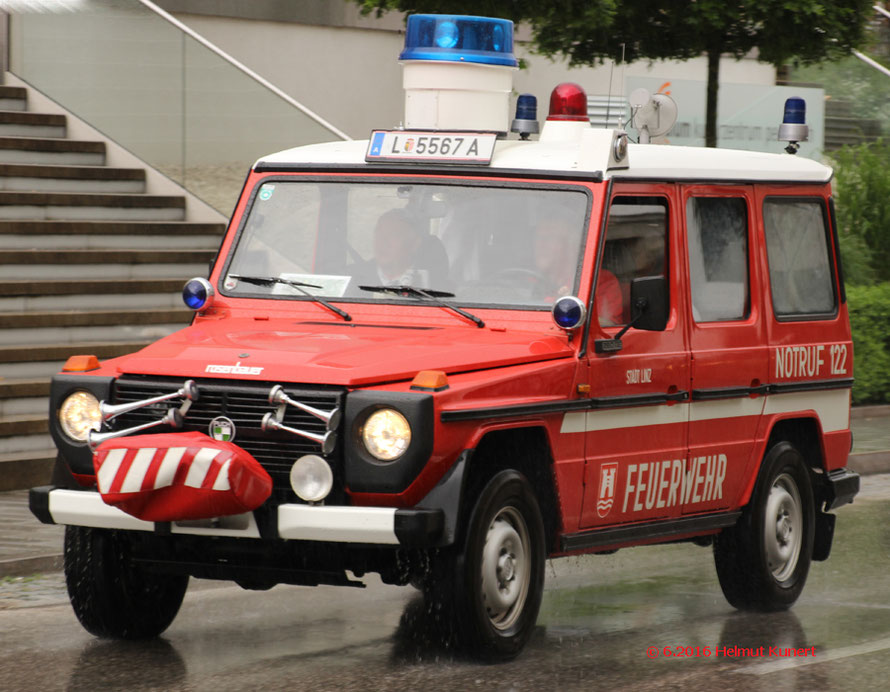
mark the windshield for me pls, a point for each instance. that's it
(484, 245)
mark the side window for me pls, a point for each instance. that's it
(799, 262)
(717, 233)
(635, 246)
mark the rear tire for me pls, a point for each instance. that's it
(496, 578)
(763, 561)
(112, 595)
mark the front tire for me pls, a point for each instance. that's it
(499, 573)
(763, 561)
(113, 596)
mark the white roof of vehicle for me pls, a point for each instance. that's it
(591, 153)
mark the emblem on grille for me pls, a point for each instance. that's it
(222, 429)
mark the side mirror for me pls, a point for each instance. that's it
(650, 294)
(649, 311)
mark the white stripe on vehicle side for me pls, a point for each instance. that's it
(617, 418)
(200, 466)
(222, 480)
(136, 474)
(169, 466)
(109, 468)
(726, 408)
(832, 406)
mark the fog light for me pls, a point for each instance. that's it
(311, 478)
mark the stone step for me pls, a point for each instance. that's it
(13, 98)
(16, 123)
(124, 330)
(43, 150)
(36, 361)
(92, 286)
(23, 425)
(35, 387)
(20, 470)
(107, 301)
(47, 178)
(18, 443)
(89, 206)
(123, 256)
(91, 318)
(24, 397)
(84, 272)
(109, 234)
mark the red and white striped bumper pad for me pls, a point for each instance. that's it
(179, 476)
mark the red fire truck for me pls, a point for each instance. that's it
(447, 353)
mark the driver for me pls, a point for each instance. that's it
(397, 243)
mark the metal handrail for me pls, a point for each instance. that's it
(243, 68)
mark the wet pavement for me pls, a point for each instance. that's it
(617, 622)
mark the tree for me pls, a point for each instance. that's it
(588, 31)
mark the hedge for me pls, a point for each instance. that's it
(870, 321)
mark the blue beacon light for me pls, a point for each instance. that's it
(793, 128)
(526, 120)
(197, 293)
(568, 313)
(459, 38)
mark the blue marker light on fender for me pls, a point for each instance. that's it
(568, 313)
(459, 38)
(197, 293)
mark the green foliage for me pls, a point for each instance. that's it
(853, 81)
(870, 320)
(862, 193)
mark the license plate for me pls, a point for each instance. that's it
(449, 147)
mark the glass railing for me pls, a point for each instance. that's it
(164, 93)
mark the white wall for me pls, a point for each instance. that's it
(351, 76)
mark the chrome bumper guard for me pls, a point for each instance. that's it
(370, 525)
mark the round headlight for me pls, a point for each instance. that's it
(311, 478)
(79, 414)
(386, 434)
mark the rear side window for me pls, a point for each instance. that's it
(717, 231)
(800, 269)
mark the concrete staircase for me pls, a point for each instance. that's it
(843, 126)
(89, 264)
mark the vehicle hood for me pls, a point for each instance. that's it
(347, 354)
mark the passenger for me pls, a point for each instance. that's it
(609, 299)
(557, 245)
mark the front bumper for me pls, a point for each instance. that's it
(365, 525)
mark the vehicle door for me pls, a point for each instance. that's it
(727, 336)
(636, 423)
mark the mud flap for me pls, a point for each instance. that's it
(824, 534)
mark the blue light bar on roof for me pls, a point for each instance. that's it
(459, 38)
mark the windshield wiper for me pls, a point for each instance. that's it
(428, 294)
(299, 285)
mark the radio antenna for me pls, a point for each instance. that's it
(623, 70)
(609, 94)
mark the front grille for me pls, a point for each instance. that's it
(245, 404)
